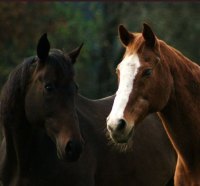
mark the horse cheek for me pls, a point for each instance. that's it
(33, 107)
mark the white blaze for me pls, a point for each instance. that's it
(128, 69)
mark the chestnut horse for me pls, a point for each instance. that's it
(155, 77)
(45, 121)
(149, 160)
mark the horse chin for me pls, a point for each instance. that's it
(72, 157)
(123, 145)
(122, 138)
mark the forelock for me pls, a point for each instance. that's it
(136, 44)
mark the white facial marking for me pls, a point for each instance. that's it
(128, 69)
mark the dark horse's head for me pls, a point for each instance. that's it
(49, 100)
(48, 97)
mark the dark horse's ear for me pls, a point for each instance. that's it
(125, 36)
(74, 53)
(149, 36)
(43, 47)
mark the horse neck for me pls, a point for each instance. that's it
(95, 111)
(181, 114)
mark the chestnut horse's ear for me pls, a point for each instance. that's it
(149, 36)
(125, 36)
(74, 53)
(43, 47)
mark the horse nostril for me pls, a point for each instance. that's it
(73, 150)
(121, 124)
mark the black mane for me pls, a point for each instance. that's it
(13, 92)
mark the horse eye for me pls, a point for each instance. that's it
(49, 87)
(147, 72)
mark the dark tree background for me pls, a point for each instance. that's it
(68, 24)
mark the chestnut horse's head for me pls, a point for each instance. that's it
(144, 85)
(49, 99)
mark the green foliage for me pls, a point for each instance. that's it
(68, 24)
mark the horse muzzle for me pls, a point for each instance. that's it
(119, 130)
(71, 151)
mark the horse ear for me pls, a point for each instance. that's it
(43, 47)
(148, 36)
(125, 36)
(74, 53)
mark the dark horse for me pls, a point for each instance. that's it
(39, 98)
(155, 77)
(44, 123)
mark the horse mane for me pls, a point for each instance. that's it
(179, 61)
(136, 43)
(58, 59)
(13, 92)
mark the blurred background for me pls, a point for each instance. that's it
(68, 24)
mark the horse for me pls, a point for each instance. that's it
(38, 98)
(40, 102)
(148, 160)
(155, 77)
